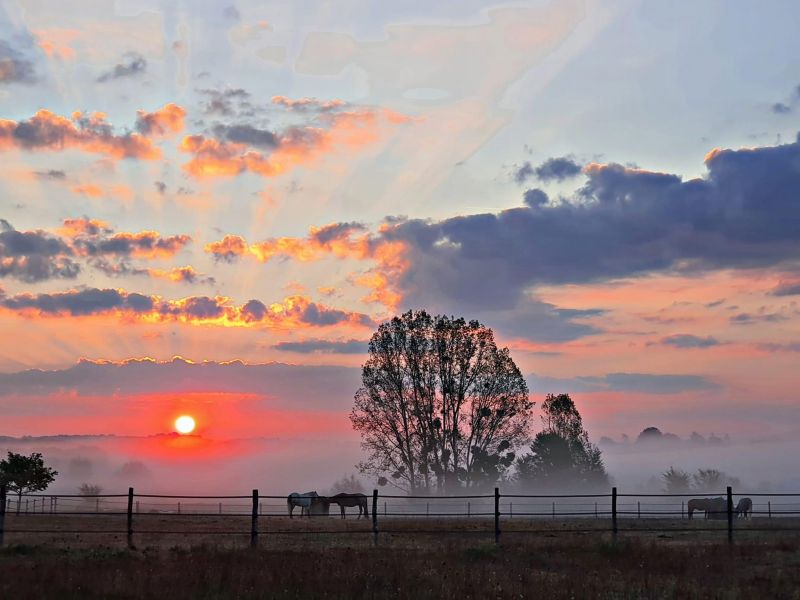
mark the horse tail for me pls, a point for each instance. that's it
(366, 509)
(289, 505)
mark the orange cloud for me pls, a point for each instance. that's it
(340, 240)
(56, 43)
(94, 238)
(228, 248)
(186, 274)
(295, 146)
(301, 104)
(167, 119)
(84, 226)
(294, 312)
(86, 132)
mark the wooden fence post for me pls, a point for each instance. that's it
(769, 508)
(254, 521)
(510, 510)
(730, 515)
(496, 515)
(595, 510)
(469, 509)
(2, 512)
(375, 517)
(614, 512)
(130, 517)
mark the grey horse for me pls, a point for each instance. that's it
(303, 500)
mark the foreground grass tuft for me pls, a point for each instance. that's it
(533, 567)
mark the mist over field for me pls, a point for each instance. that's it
(193, 465)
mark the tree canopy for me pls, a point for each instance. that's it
(562, 457)
(440, 406)
(25, 474)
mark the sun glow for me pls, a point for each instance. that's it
(184, 424)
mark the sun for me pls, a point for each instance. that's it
(184, 424)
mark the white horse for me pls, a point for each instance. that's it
(302, 500)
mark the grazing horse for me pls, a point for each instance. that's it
(713, 508)
(350, 500)
(744, 508)
(302, 500)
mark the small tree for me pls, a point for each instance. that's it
(25, 474)
(713, 480)
(350, 484)
(676, 481)
(561, 454)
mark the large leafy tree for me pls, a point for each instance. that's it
(561, 457)
(440, 406)
(25, 474)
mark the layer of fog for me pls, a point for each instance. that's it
(162, 465)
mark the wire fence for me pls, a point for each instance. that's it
(386, 513)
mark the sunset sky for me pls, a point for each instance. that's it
(613, 187)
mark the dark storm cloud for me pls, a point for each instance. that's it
(687, 340)
(33, 256)
(295, 386)
(787, 288)
(557, 169)
(317, 314)
(535, 197)
(130, 244)
(254, 310)
(79, 302)
(246, 134)
(553, 169)
(132, 64)
(645, 383)
(335, 231)
(323, 347)
(522, 172)
(754, 318)
(14, 66)
(623, 222)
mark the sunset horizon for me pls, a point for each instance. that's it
(520, 269)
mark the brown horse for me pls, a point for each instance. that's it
(744, 508)
(350, 500)
(714, 508)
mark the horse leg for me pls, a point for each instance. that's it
(290, 508)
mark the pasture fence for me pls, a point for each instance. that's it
(600, 512)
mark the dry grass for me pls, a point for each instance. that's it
(559, 562)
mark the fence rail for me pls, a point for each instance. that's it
(608, 509)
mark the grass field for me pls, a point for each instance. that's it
(561, 560)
